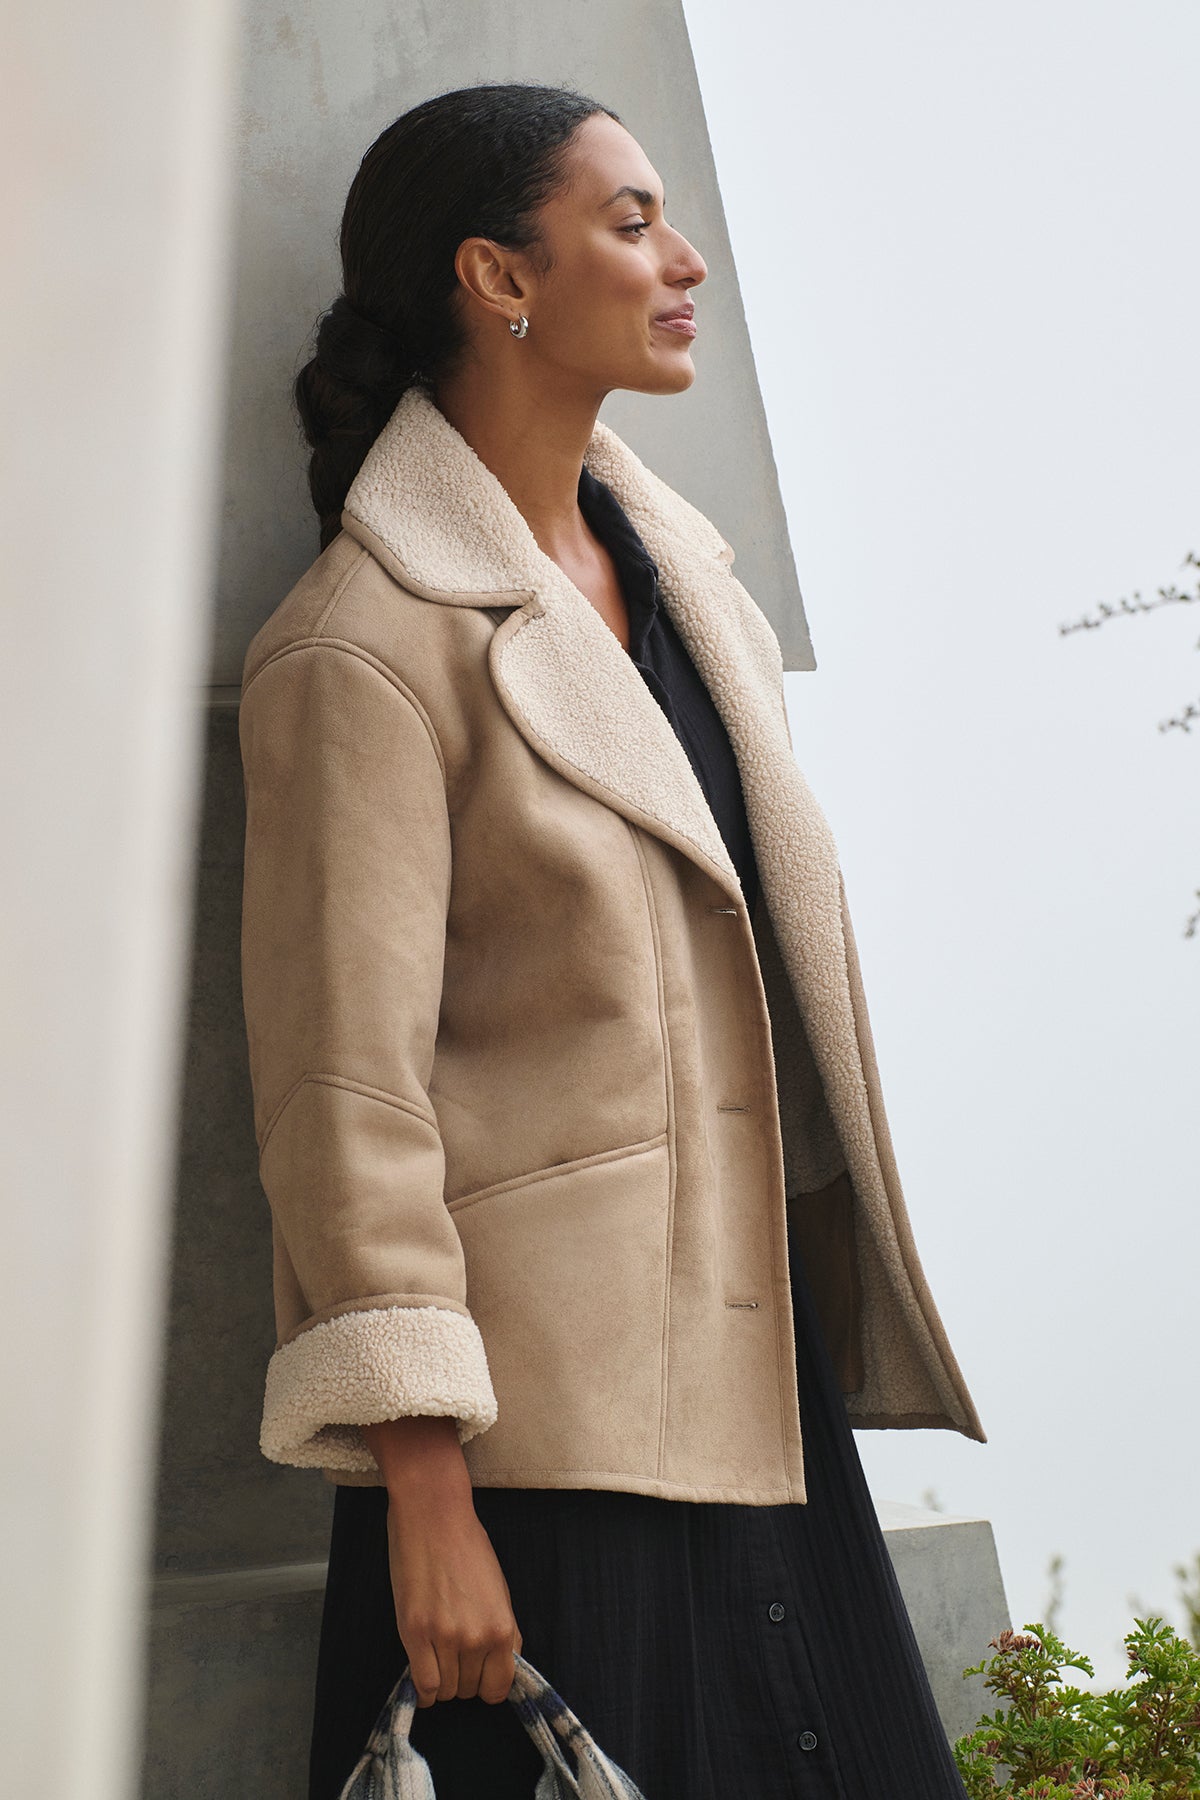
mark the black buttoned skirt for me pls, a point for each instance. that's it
(710, 1650)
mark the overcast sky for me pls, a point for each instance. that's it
(969, 246)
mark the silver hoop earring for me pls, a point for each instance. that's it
(521, 329)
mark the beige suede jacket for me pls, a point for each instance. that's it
(541, 1110)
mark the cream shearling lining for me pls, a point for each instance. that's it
(362, 1367)
(435, 516)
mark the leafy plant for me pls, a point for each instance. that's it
(1054, 1741)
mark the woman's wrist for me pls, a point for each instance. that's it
(420, 1459)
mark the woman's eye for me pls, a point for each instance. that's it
(642, 225)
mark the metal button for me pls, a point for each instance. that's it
(807, 1740)
(776, 1611)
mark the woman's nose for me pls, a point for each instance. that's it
(687, 264)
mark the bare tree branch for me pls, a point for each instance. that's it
(1183, 721)
(1130, 608)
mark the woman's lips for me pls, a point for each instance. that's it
(686, 326)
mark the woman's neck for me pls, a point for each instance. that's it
(532, 444)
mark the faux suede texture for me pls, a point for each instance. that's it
(540, 1108)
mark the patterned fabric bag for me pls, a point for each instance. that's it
(576, 1768)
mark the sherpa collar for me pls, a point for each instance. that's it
(455, 535)
(436, 517)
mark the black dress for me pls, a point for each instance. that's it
(712, 1650)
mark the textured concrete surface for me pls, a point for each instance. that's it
(240, 1543)
(232, 1661)
(221, 1504)
(950, 1577)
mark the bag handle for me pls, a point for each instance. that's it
(575, 1766)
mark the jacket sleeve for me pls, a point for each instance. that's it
(346, 885)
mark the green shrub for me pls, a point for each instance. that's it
(1052, 1741)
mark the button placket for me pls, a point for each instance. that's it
(805, 1739)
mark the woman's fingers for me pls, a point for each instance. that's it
(486, 1666)
(424, 1669)
(470, 1668)
(448, 1668)
(448, 1659)
(495, 1682)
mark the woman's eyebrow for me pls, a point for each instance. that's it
(643, 196)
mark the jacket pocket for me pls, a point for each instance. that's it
(554, 1170)
(566, 1280)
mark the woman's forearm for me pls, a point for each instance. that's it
(453, 1608)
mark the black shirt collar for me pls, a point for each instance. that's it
(636, 568)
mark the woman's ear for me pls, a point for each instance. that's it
(492, 275)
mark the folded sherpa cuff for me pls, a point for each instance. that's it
(387, 1362)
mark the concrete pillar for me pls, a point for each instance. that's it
(114, 181)
(949, 1574)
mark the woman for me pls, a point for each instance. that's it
(589, 1243)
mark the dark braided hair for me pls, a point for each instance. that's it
(474, 162)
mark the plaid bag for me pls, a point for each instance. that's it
(576, 1768)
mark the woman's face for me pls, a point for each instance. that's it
(616, 265)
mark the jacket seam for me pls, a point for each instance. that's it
(372, 662)
(317, 1079)
(549, 1170)
(340, 589)
(672, 1156)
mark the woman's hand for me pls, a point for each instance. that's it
(453, 1609)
